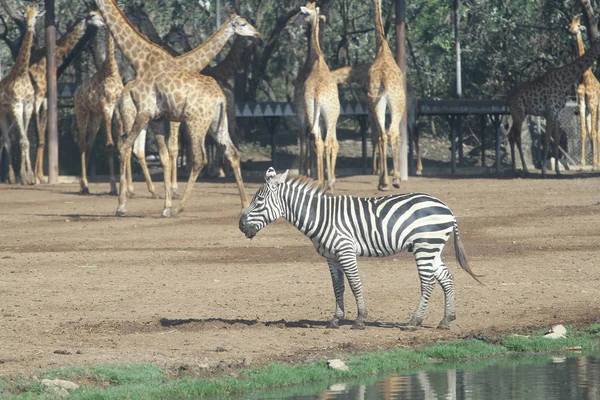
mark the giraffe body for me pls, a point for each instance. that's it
(95, 102)
(320, 95)
(17, 99)
(37, 71)
(591, 95)
(386, 91)
(193, 61)
(163, 89)
(546, 96)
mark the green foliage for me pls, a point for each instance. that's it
(107, 374)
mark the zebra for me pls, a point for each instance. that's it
(344, 227)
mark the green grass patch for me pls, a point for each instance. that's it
(144, 381)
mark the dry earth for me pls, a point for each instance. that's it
(79, 286)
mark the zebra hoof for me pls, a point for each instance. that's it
(333, 324)
(396, 184)
(445, 324)
(166, 213)
(84, 191)
(175, 195)
(358, 325)
(131, 195)
(154, 195)
(121, 211)
(113, 192)
(384, 187)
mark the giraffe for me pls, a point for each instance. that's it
(193, 61)
(163, 89)
(358, 74)
(320, 93)
(591, 94)
(37, 71)
(546, 96)
(386, 90)
(17, 98)
(95, 102)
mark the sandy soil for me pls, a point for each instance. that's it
(80, 286)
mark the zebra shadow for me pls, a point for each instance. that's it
(208, 323)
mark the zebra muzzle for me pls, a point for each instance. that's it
(247, 229)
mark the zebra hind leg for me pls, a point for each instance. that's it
(426, 276)
(444, 277)
(337, 276)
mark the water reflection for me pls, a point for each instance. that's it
(533, 378)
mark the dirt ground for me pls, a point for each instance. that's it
(80, 286)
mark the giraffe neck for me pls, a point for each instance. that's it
(141, 53)
(226, 68)
(66, 43)
(314, 51)
(21, 66)
(197, 59)
(111, 68)
(379, 30)
(581, 52)
(573, 71)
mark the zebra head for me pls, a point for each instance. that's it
(265, 206)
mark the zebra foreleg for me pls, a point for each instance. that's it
(427, 283)
(348, 262)
(444, 277)
(337, 276)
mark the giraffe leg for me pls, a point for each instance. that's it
(394, 139)
(82, 116)
(384, 180)
(545, 138)
(593, 132)
(166, 164)
(582, 120)
(173, 153)
(124, 153)
(111, 162)
(107, 114)
(331, 146)
(221, 130)
(5, 143)
(198, 131)
(337, 276)
(22, 114)
(419, 170)
(41, 122)
(444, 278)
(139, 149)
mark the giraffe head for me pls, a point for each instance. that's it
(307, 13)
(575, 26)
(241, 27)
(94, 18)
(31, 14)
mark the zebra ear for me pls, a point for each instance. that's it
(270, 174)
(282, 177)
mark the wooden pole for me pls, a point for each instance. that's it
(52, 93)
(401, 61)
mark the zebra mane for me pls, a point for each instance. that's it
(301, 181)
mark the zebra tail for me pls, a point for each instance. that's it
(461, 256)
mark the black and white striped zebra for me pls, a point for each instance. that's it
(344, 227)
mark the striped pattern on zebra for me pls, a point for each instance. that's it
(344, 227)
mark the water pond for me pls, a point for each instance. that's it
(540, 377)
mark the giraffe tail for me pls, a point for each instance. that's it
(461, 256)
(316, 113)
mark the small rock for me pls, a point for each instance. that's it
(337, 364)
(63, 352)
(58, 387)
(556, 332)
